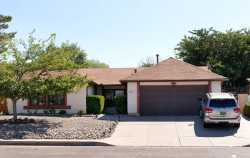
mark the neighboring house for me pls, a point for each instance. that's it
(171, 87)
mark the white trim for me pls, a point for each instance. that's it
(132, 98)
(174, 83)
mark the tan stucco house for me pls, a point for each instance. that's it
(171, 87)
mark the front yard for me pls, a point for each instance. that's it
(43, 127)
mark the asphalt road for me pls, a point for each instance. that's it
(123, 152)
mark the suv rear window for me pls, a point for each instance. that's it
(222, 103)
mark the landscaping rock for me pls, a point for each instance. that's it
(57, 128)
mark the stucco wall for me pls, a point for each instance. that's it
(20, 104)
(242, 98)
(216, 86)
(77, 101)
(90, 90)
(132, 98)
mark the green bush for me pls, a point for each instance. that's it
(80, 113)
(62, 112)
(121, 104)
(247, 109)
(95, 104)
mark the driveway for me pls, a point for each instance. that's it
(176, 131)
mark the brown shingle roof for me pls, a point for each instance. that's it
(107, 76)
(100, 76)
(174, 70)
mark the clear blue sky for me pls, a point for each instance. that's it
(122, 32)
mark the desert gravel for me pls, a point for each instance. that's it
(86, 127)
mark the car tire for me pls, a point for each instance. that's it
(206, 125)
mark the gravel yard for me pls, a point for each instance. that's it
(86, 127)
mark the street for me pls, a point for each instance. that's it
(124, 152)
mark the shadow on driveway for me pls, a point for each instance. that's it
(215, 130)
(184, 122)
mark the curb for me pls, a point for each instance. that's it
(54, 142)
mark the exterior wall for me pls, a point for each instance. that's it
(132, 98)
(77, 101)
(216, 86)
(90, 90)
(20, 104)
(242, 99)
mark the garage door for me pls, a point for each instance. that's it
(171, 100)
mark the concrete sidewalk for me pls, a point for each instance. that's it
(176, 131)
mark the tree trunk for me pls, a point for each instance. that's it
(14, 110)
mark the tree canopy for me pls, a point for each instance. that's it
(149, 61)
(4, 36)
(96, 64)
(25, 71)
(226, 53)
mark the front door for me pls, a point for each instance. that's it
(3, 105)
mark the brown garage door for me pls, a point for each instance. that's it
(171, 100)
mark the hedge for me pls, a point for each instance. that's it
(247, 109)
(121, 104)
(95, 104)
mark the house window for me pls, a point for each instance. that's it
(58, 100)
(37, 101)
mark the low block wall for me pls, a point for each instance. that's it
(242, 98)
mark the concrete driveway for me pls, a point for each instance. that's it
(177, 131)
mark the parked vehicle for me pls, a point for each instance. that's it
(220, 108)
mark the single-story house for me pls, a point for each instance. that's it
(171, 87)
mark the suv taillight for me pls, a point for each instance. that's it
(208, 110)
(237, 110)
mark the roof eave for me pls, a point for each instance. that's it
(165, 80)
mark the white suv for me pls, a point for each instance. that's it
(220, 108)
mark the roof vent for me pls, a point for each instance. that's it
(157, 58)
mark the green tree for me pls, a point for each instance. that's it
(96, 64)
(25, 73)
(4, 36)
(148, 62)
(68, 56)
(227, 53)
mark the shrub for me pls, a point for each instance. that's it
(52, 112)
(247, 109)
(46, 112)
(95, 104)
(80, 113)
(62, 112)
(121, 104)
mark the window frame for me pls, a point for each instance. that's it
(47, 105)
